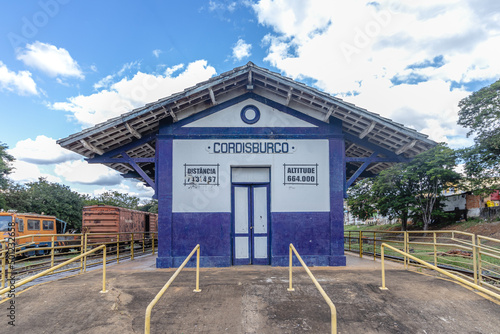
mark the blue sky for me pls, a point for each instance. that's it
(66, 65)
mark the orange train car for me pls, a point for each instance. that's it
(23, 224)
(112, 219)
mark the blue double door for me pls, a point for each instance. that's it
(251, 213)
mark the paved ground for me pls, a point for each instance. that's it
(252, 299)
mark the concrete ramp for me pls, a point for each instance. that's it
(253, 299)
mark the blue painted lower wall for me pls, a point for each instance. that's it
(309, 232)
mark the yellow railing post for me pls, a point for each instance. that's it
(117, 248)
(81, 251)
(405, 247)
(435, 249)
(474, 260)
(132, 247)
(85, 258)
(104, 271)
(374, 246)
(349, 240)
(479, 262)
(197, 289)
(4, 254)
(290, 288)
(383, 267)
(143, 238)
(52, 253)
(153, 243)
(360, 239)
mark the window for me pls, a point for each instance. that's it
(4, 223)
(48, 225)
(33, 225)
(20, 223)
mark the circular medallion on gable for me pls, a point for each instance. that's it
(250, 114)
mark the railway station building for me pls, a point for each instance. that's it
(248, 162)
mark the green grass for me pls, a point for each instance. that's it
(387, 227)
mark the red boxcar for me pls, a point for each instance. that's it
(112, 219)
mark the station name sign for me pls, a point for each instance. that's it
(260, 147)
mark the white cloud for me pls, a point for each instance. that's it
(50, 59)
(43, 150)
(241, 50)
(79, 171)
(128, 94)
(131, 188)
(27, 172)
(20, 82)
(157, 53)
(222, 6)
(356, 50)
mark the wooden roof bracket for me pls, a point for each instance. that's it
(171, 113)
(368, 129)
(91, 147)
(133, 131)
(250, 81)
(406, 147)
(329, 113)
(212, 96)
(289, 97)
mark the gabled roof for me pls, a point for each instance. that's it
(359, 125)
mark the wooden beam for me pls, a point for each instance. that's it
(367, 130)
(150, 147)
(212, 96)
(329, 113)
(91, 147)
(289, 97)
(250, 81)
(406, 147)
(171, 113)
(133, 131)
(349, 147)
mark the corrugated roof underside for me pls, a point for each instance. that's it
(358, 122)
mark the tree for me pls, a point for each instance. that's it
(5, 167)
(408, 188)
(394, 192)
(361, 202)
(150, 206)
(480, 112)
(48, 198)
(115, 198)
(432, 172)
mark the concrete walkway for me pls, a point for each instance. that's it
(252, 299)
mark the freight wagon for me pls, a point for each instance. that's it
(111, 220)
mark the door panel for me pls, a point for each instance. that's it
(250, 224)
(260, 247)
(241, 248)
(260, 210)
(241, 210)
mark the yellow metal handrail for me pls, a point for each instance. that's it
(430, 266)
(147, 324)
(333, 310)
(50, 270)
